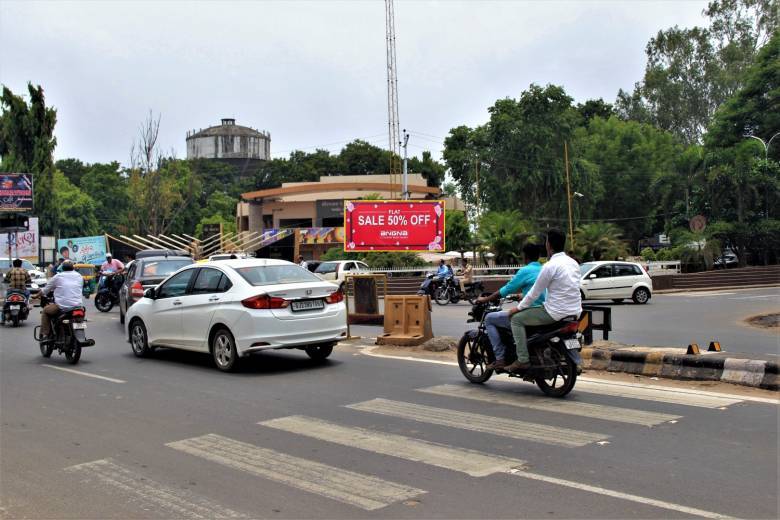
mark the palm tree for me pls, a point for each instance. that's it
(599, 240)
(505, 233)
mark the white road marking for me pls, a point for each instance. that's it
(596, 411)
(618, 494)
(357, 489)
(474, 463)
(664, 395)
(85, 374)
(480, 423)
(149, 495)
(369, 351)
(775, 296)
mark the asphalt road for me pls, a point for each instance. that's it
(668, 320)
(360, 437)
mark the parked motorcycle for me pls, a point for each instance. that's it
(16, 307)
(554, 350)
(69, 333)
(108, 291)
(450, 292)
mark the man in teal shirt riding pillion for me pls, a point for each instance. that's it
(521, 283)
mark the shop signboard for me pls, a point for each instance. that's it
(322, 235)
(16, 192)
(394, 225)
(331, 208)
(83, 250)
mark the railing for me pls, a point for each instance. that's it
(482, 271)
(663, 267)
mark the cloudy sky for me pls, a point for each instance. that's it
(312, 72)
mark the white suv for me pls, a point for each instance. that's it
(615, 281)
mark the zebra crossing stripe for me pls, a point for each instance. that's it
(474, 463)
(596, 411)
(149, 495)
(480, 423)
(671, 396)
(349, 487)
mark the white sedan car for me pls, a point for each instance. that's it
(235, 307)
(615, 281)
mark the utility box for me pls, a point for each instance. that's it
(407, 321)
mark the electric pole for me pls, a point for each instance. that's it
(394, 134)
(406, 169)
(568, 193)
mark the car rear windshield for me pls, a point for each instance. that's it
(162, 268)
(276, 274)
(327, 267)
(584, 268)
(86, 271)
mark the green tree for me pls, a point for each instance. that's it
(106, 185)
(505, 233)
(599, 241)
(75, 209)
(73, 169)
(457, 234)
(432, 171)
(27, 146)
(363, 158)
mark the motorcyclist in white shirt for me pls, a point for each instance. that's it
(561, 277)
(67, 287)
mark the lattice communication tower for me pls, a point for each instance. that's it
(393, 126)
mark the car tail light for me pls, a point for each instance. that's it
(16, 298)
(137, 290)
(570, 328)
(78, 315)
(263, 301)
(335, 297)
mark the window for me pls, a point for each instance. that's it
(207, 281)
(162, 268)
(584, 268)
(276, 274)
(604, 271)
(625, 270)
(348, 266)
(131, 272)
(224, 284)
(177, 285)
(327, 267)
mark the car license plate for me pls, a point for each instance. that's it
(307, 305)
(572, 344)
(81, 326)
(14, 307)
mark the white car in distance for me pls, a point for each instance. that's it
(233, 308)
(615, 281)
(338, 270)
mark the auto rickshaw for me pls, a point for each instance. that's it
(89, 273)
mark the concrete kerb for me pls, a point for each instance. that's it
(675, 364)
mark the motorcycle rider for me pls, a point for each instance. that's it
(520, 283)
(111, 266)
(17, 278)
(467, 275)
(444, 271)
(561, 277)
(67, 287)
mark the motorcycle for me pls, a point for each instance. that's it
(15, 308)
(554, 351)
(69, 334)
(429, 285)
(450, 292)
(108, 291)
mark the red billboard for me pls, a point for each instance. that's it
(394, 225)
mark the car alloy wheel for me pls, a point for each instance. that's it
(138, 339)
(224, 350)
(641, 295)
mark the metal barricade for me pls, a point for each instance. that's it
(598, 318)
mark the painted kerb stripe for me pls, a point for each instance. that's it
(596, 411)
(85, 374)
(659, 395)
(474, 463)
(363, 491)
(480, 423)
(148, 495)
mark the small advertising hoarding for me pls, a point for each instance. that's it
(16, 192)
(83, 250)
(394, 225)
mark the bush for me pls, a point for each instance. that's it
(648, 254)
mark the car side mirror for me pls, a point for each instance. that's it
(591, 276)
(149, 293)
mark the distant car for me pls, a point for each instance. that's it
(227, 256)
(38, 276)
(146, 253)
(145, 273)
(312, 265)
(338, 270)
(615, 281)
(233, 308)
(727, 261)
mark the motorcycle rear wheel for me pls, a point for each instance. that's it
(442, 296)
(564, 373)
(473, 356)
(46, 349)
(73, 354)
(103, 302)
(15, 320)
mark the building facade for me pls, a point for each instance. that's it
(229, 141)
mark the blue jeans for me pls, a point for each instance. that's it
(493, 321)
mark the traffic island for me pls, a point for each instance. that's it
(675, 363)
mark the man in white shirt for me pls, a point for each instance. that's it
(561, 277)
(67, 287)
(303, 263)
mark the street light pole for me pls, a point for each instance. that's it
(766, 162)
(568, 193)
